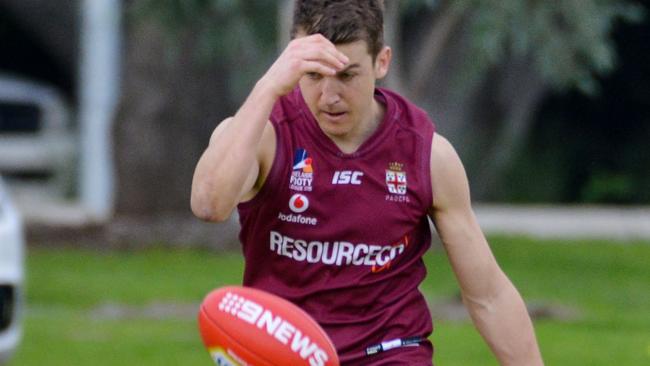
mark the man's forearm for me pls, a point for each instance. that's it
(504, 323)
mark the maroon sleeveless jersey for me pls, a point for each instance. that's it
(342, 235)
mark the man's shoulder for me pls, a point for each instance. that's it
(407, 113)
(287, 107)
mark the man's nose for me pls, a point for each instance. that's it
(330, 92)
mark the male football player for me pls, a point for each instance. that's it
(335, 179)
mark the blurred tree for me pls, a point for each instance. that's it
(479, 67)
(178, 85)
(593, 149)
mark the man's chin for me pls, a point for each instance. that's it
(334, 130)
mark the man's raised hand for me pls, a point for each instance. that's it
(309, 54)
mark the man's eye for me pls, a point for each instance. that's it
(314, 75)
(346, 76)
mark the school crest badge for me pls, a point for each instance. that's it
(396, 179)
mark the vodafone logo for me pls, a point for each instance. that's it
(299, 203)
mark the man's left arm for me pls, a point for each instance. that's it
(496, 308)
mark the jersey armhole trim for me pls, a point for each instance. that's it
(272, 180)
(427, 169)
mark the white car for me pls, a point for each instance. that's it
(12, 246)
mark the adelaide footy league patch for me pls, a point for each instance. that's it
(302, 174)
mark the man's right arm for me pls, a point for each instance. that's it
(228, 172)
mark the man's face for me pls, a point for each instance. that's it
(343, 104)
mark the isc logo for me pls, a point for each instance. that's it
(347, 177)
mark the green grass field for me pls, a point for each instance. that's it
(137, 307)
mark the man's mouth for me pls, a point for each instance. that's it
(334, 115)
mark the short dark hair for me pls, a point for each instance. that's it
(342, 21)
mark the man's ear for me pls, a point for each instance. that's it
(382, 62)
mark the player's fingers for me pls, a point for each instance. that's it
(330, 49)
(323, 56)
(318, 67)
(338, 55)
(319, 43)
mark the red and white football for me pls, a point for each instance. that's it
(242, 326)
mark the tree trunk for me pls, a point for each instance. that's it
(170, 105)
(285, 20)
(443, 26)
(487, 119)
(392, 37)
(517, 95)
